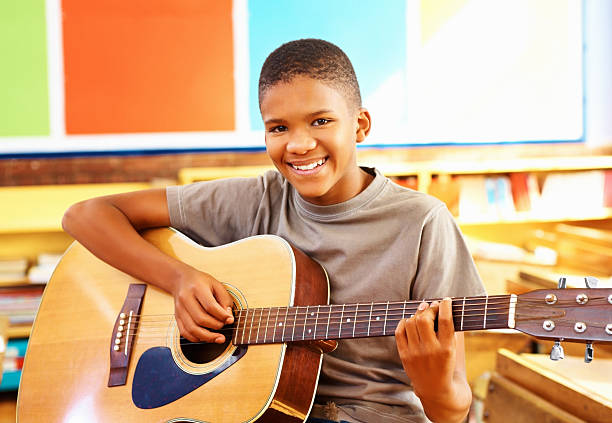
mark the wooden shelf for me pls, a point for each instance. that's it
(195, 174)
(19, 331)
(425, 169)
(528, 217)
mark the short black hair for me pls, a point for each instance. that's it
(312, 58)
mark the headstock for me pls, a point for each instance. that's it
(572, 314)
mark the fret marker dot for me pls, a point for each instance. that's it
(377, 317)
(280, 324)
(312, 314)
(348, 320)
(309, 330)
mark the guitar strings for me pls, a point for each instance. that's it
(143, 322)
(322, 315)
(336, 316)
(285, 337)
(332, 308)
(467, 325)
(457, 302)
(332, 315)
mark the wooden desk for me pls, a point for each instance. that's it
(531, 387)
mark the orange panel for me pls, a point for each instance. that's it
(148, 66)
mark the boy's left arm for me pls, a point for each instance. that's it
(435, 362)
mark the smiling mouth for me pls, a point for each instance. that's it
(309, 166)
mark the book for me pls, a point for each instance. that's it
(13, 269)
(572, 194)
(520, 191)
(42, 271)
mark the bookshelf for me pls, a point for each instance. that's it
(426, 172)
(30, 224)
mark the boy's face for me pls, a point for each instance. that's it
(311, 136)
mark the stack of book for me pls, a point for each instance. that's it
(13, 270)
(485, 197)
(557, 195)
(43, 269)
(20, 303)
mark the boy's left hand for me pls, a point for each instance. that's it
(431, 360)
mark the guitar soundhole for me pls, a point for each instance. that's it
(203, 352)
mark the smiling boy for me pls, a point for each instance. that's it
(377, 241)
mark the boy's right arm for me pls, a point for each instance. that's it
(108, 226)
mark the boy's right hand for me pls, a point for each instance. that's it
(201, 302)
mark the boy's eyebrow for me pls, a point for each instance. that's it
(320, 112)
(278, 120)
(269, 121)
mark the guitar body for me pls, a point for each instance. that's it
(66, 370)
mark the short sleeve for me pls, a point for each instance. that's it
(445, 265)
(221, 211)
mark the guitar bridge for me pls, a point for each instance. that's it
(124, 333)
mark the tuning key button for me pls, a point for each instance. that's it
(557, 352)
(550, 299)
(591, 282)
(610, 298)
(588, 353)
(579, 327)
(582, 299)
(609, 328)
(548, 325)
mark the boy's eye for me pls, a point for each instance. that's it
(279, 128)
(320, 122)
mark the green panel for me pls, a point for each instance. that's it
(24, 98)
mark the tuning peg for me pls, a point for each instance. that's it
(588, 352)
(557, 351)
(591, 282)
(562, 282)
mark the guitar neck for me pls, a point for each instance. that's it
(344, 321)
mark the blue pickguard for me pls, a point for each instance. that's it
(159, 381)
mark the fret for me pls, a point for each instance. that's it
(258, 326)
(267, 324)
(362, 320)
(295, 313)
(370, 319)
(246, 319)
(275, 323)
(348, 318)
(340, 327)
(283, 324)
(484, 323)
(305, 323)
(237, 327)
(355, 319)
(386, 313)
(376, 321)
(314, 334)
(311, 330)
(462, 312)
(251, 326)
(328, 320)
(404, 310)
(500, 309)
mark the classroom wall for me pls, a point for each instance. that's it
(73, 106)
(598, 72)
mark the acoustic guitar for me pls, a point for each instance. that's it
(105, 347)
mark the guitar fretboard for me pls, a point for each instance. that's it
(341, 321)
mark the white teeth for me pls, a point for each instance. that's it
(309, 166)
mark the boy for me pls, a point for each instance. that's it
(378, 242)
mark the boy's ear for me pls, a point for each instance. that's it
(364, 122)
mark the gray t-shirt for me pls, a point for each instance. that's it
(388, 243)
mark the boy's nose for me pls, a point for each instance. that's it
(301, 143)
